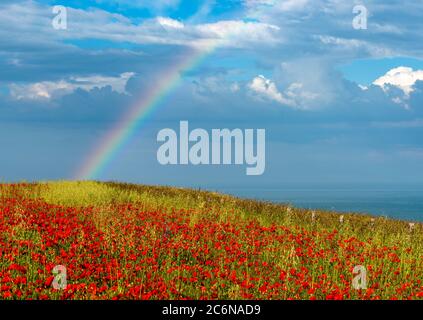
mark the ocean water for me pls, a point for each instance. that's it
(404, 203)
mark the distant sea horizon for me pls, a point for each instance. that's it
(396, 202)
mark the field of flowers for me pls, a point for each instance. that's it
(121, 241)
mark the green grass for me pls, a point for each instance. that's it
(103, 194)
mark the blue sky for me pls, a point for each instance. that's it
(340, 105)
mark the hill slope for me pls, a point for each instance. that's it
(142, 242)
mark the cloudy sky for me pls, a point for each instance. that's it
(339, 104)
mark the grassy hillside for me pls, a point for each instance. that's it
(129, 241)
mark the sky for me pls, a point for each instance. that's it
(340, 105)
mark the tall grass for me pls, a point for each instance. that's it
(364, 227)
(191, 214)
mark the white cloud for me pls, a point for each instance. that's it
(170, 23)
(309, 82)
(23, 20)
(297, 91)
(49, 89)
(234, 32)
(403, 78)
(267, 88)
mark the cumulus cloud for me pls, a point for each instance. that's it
(311, 82)
(305, 81)
(403, 78)
(54, 89)
(169, 23)
(266, 88)
(297, 92)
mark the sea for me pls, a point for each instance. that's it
(397, 202)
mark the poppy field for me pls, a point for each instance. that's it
(122, 241)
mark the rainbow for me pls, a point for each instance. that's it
(124, 129)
